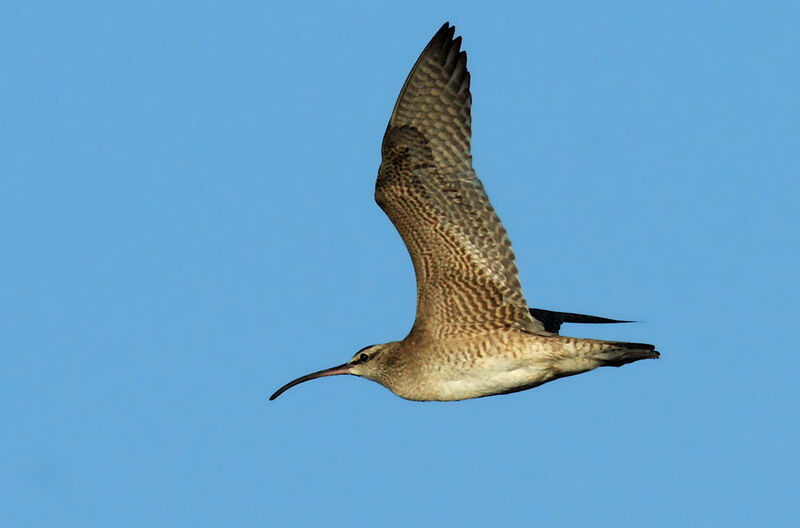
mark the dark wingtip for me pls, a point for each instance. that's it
(443, 37)
(552, 321)
(442, 31)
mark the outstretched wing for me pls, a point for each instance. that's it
(466, 275)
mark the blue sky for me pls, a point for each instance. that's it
(187, 222)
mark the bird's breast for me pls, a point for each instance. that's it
(457, 371)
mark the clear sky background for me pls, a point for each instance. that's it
(187, 223)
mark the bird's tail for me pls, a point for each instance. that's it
(616, 354)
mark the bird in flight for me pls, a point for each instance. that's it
(473, 334)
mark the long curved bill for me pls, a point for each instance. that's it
(333, 371)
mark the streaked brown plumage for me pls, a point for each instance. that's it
(473, 334)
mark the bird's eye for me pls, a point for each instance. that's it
(363, 357)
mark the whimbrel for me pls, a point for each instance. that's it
(473, 334)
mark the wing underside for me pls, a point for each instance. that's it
(465, 269)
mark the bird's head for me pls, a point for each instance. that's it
(373, 362)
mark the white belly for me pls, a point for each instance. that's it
(479, 382)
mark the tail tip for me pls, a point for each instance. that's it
(630, 354)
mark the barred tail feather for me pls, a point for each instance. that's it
(620, 353)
